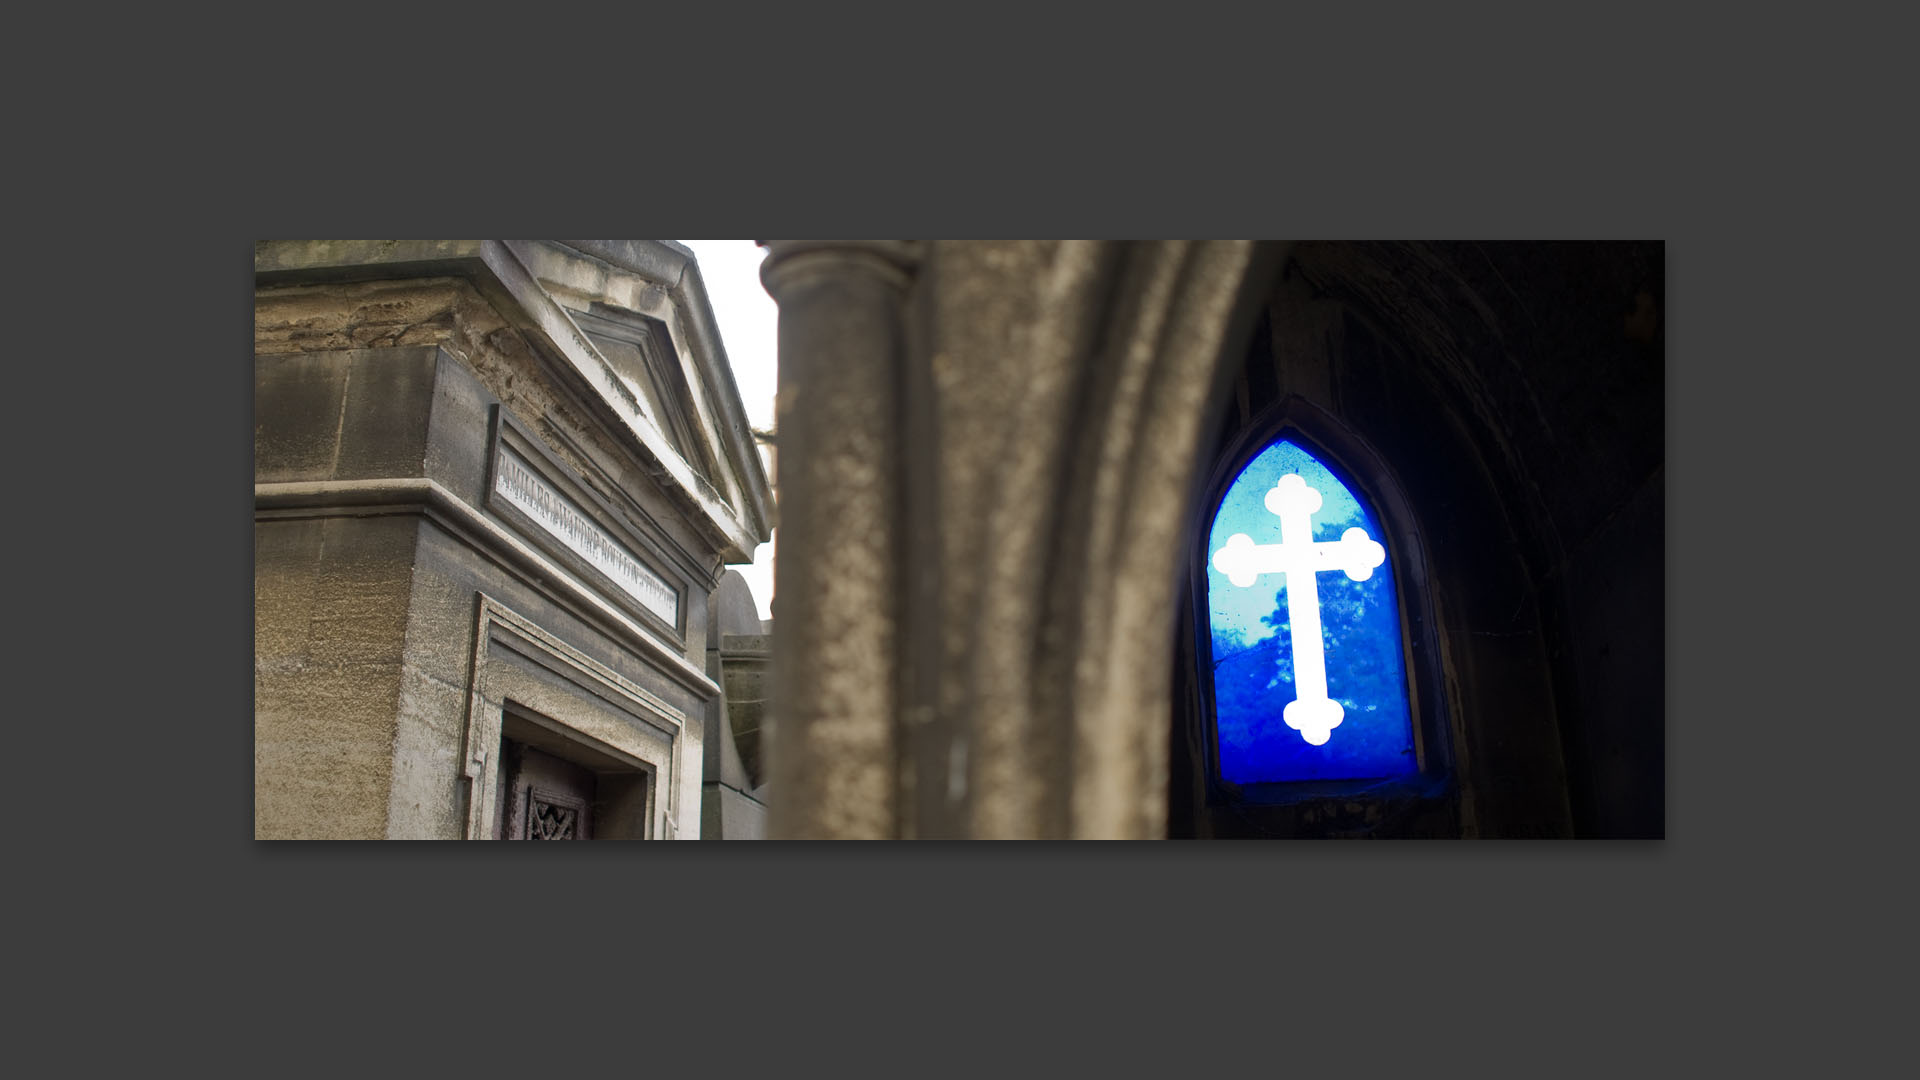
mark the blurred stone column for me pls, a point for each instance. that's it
(832, 757)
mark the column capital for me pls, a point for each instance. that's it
(891, 261)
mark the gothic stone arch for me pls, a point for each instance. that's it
(1515, 394)
(991, 457)
(988, 455)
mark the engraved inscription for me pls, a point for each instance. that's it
(517, 483)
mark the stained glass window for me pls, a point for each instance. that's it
(1319, 693)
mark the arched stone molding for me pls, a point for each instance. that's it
(990, 452)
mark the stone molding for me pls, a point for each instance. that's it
(790, 261)
(419, 495)
(500, 270)
(484, 719)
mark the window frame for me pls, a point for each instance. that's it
(1349, 458)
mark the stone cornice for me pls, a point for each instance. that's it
(499, 270)
(420, 495)
(892, 261)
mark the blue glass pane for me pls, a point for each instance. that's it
(1254, 666)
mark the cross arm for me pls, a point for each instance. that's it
(1242, 560)
(1355, 552)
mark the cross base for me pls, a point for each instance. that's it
(1314, 718)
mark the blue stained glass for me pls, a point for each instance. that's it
(1254, 667)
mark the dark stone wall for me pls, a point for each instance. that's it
(1515, 393)
(351, 414)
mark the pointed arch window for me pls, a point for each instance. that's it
(1309, 666)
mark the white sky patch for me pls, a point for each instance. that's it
(749, 331)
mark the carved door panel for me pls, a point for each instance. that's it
(543, 797)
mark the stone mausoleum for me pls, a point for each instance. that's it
(497, 486)
(1079, 539)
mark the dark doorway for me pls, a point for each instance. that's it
(556, 788)
(543, 797)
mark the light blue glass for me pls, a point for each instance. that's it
(1253, 671)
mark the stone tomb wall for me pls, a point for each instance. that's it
(734, 805)
(411, 611)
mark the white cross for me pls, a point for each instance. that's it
(1299, 557)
